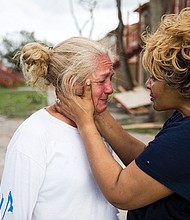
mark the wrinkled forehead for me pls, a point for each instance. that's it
(105, 63)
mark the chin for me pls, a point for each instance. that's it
(158, 109)
(100, 110)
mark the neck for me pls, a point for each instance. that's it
(184, 107)
(52, 111)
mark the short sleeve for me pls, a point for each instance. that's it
(167, 158)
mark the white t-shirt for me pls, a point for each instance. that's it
(47, 175)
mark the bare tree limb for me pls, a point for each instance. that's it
(74, 17)
(90, 6)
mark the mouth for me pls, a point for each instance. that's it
(104, 100)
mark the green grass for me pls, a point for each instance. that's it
(20, 102)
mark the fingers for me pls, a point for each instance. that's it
(87, 90)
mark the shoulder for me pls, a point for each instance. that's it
(176, 119)
(168, 155)
(36, 124)
(30, 136)
(175, 129)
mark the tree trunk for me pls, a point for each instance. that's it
(157, 9)
(121, 50)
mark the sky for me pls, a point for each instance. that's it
(52, 21)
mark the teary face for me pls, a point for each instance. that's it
(101, 84)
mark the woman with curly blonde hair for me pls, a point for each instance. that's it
(155, 182)
(46, 174)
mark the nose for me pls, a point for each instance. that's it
(147, 84)
(108, 88)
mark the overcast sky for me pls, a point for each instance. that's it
(51, 20)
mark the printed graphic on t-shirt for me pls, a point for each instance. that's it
(7, 204)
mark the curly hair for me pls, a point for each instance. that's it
(65, 65)
(166, 53)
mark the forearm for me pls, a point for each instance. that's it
(101, 161)
(125, 146)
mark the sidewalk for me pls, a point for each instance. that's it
(7, 128)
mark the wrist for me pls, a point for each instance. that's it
(86, 126)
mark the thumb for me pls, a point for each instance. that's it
(87, 90)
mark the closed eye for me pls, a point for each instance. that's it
(109, 76)
(102, 81)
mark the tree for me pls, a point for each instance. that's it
(157, 9)
(12, 43)
(121, 50)
(88, 5)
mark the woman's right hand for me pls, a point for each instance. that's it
(79, 109)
